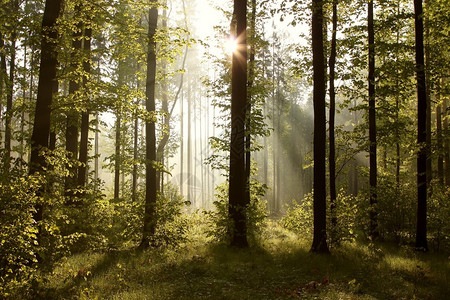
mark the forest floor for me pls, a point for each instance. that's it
(281, 268)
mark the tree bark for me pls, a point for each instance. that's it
(332, 154)
(319, 244)
(72, 119)
(9, 99)
(151, 184)
(421, 234)
(439, 143)
(84, 138)
(446, 142)
(251, 78)
(47, 77)
(372, 127)
(237, 207)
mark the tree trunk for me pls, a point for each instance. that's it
(251, 75)
(2, 80)
(84, 139)
(117, 160)
(150, 133)
(72, 120)
(372, 127)
(421, 234)
(319, 244)
(9, 101)
(47, 77)
(446, 142)
(332, 154)
(439, 143)
(237, 207)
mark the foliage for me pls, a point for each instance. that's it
(256, 214)
(18, 234)
(125, 224)
(299, 218)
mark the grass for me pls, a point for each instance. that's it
(280, 268)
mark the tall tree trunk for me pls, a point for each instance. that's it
(372, 126)
(72, 120)
(332, 154)
(446, 141)
(189, 142)
(150, 133)
(135, 147)
(84, 138)
(421, 234)
(237, 208)
(319, 244)
(9, 99)
(47, 77)
(3, 77)
(117, 160)
(96, 148)
(251, 78)
(439, 144)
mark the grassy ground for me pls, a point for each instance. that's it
(281, 268)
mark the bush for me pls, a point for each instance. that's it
(221, 225)
(299, 218)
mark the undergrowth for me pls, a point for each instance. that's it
(280, 267)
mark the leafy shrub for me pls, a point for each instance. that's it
(127, 220)
(438, 217)
(221, 225)
(299, 217)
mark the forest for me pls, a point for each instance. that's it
(245, 149)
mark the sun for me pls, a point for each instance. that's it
(230, 45)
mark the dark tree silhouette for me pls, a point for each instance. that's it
(421, 233)
(47, 77)
(372, 125)
(332, 154)
(150, 133)
(237, 205)
(319, 244)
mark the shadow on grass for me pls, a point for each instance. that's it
(281, 270)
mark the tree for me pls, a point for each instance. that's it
(84, 132)
(373, 231)
(319, 244)
(47, 77)
(331, 124)
(150, 134)
(421, 232)
(237, 184)
(73, 117)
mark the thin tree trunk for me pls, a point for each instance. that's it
(150, 136)
(84, 139)
(96, 147)
(237, 207)
(332, 154)
(135, 149)
(446, 149)
(372, 127)
(421, 234)
(439, 144)
(117, 160)
(189, 144)
(2, 80)
(251, 75)
(319, 244)
(9, 104)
